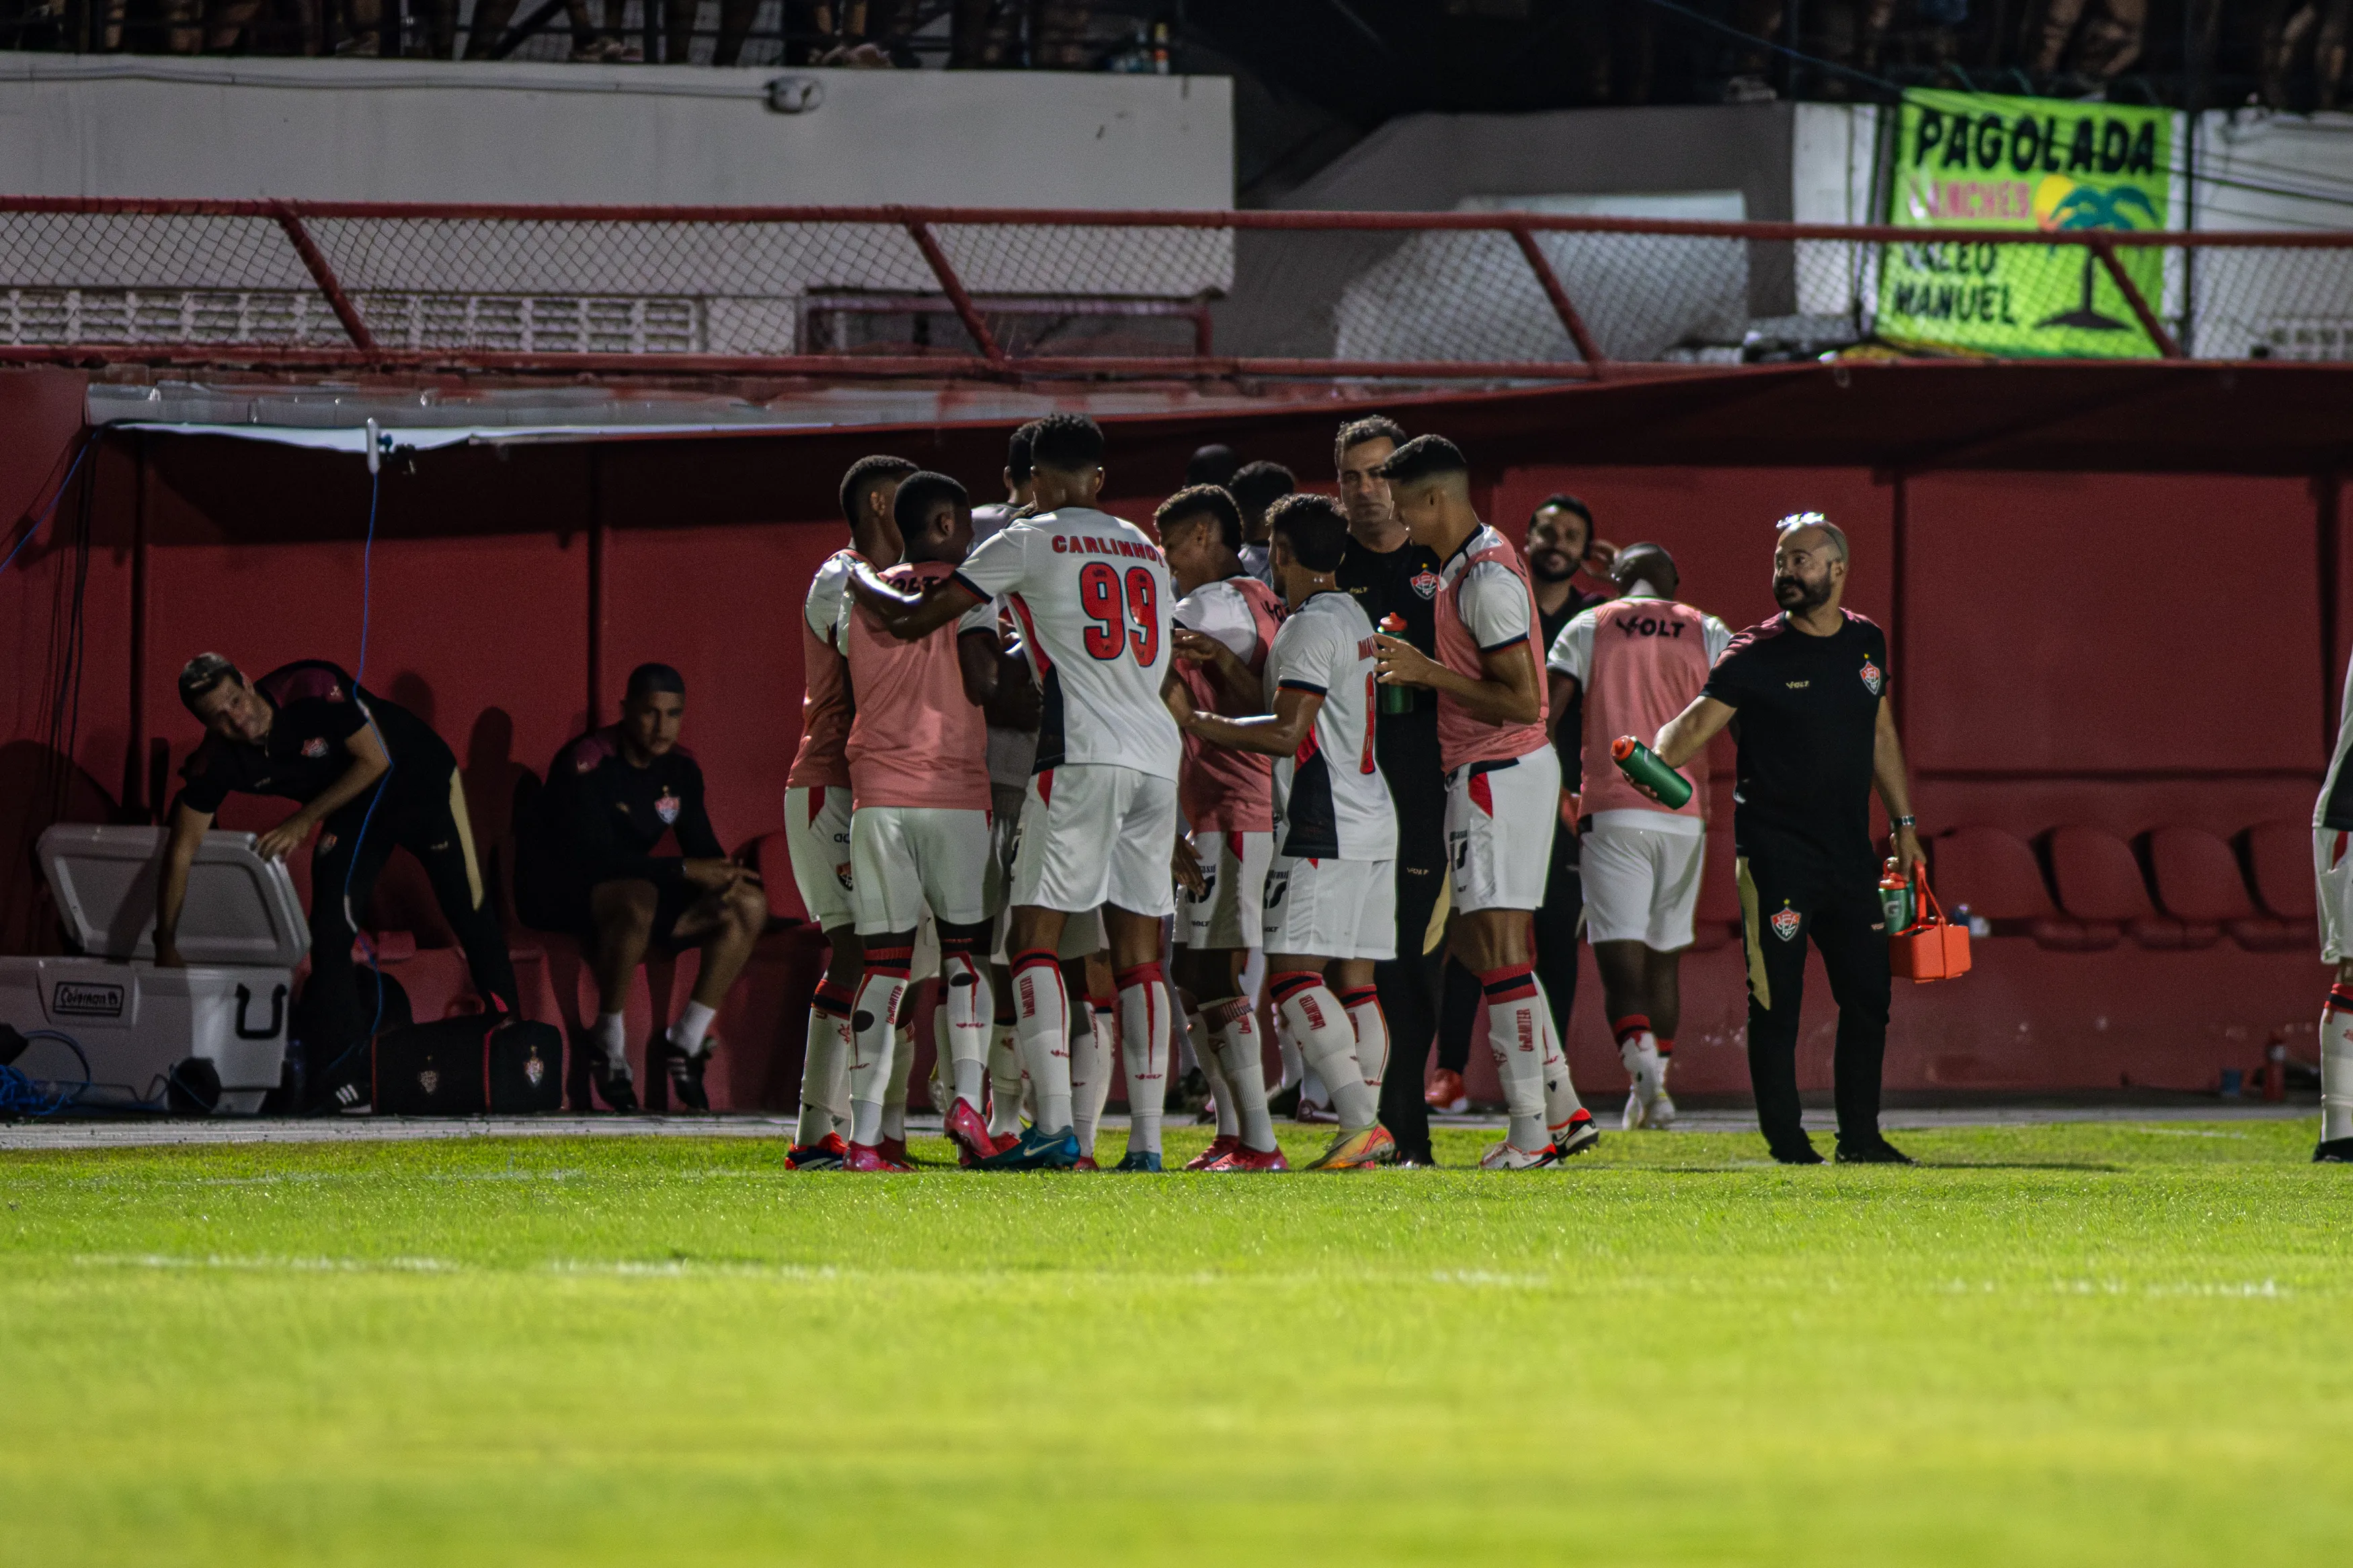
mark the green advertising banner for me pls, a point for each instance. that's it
(1969, 160)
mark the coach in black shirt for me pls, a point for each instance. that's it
(612, 795)
(1806, 695)
(370, 775)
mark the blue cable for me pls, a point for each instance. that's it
(63, 485)
(21, 1095)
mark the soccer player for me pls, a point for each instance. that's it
(918, 754)
(2332, 829)
(370, 777)
(612, 794)
(1256, 488)
(817, 807)
(1636, 662)
(1092, 593)
(1227, 796)
(1331, 895)
(1503, 787)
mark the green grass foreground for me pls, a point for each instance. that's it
(2081, 1344)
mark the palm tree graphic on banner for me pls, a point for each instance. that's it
(2062, 207)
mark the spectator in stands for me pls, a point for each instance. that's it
(613, 794)
(1215, 464)
(1256, 487)
(2096, 38)
(1817, 735)
(2287, 26)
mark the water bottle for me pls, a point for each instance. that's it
(1895, 897)
(1396, 698)
(1643, 765)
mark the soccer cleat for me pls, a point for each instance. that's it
(620, 1095)
(1223, 1144)
(1445, 1094)
(1876, 1151)
(1146, 1160)
(969, 1131)
(2333, 1151)
(1244, 1158)
(1037, 1151)
(1509, 1156)
(870, 1157)
(895, 1151)
(1801, 1153)
(1581, 1134)
(1632, 1116)
(686, 1073)
(1359, 1150)
(1087, 1162)
(1660, 1114)
(826, 1154)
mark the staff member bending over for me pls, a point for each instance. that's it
(611, 796)
(1805, 693)
(370, 775)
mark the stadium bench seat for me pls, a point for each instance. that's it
(771, 855)
(2279, 856)
(2100, 888)
(1717, 919)
(2200, 881)
(1995, 873)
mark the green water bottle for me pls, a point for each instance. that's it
(1396, 698)
(1641, 764)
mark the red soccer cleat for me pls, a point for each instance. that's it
(1223, 1144)
(895, 1151)
(1445, 1094)
(1086, 1163)
(1245, 1159)
(867, 1157)
(826, 1154)
(969, 1131)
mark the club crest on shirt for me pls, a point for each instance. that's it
(1871, 679)
(1425, 583)
(315, 747)
(1785, 923)
(666, 806)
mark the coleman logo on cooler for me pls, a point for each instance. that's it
(82, 1000)
(1786, 922)
(1871, 679)
(316, 746)
(1425, 583)
(666, 805)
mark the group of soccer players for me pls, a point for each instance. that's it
(1051, 733)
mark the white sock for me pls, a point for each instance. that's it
(2336, 1065)
(611, 1035)
(1004, 1082)
(1143, 1019)
(693, 1027)
(1515, 1033)
(970, 1014)
(1090, 1075)
(1294, 1064)
(1242, 1071)
(1372, 1036)
(1313, 1090)
(1205, 1050)
(903, 1067)
(873, 1027)
(1043, 1032)
(1561, 1103)
(1328, 1041)
(825, 1098)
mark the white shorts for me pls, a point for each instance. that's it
(1499, 828)
(816, 830)
(908, 858)
(1234, 865)
(1332, 909)
(1082, 934)
(2334, 873)
(1097, 833)
(1641, 884)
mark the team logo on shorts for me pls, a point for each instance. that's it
(666, 806)
(841, 875)
(1275, 888)
(1426, 583)
(1871, 679)
(1786, 923)
(316, 746)
(1208, 893)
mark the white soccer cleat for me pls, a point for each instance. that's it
(1509, 1156)
(1660, 1114)
(1636, 1110)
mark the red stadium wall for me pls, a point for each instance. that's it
(2084, 663)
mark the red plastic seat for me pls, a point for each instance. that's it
(772, 857)
(2279, 853)
(2099, 887)
(1994, 872)
(2198, 883)
(1717, 919)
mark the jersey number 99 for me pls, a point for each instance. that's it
(1100, 600)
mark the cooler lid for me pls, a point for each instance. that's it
(241, 910)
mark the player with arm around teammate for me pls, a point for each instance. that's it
(1092, 595)
(1331, 896)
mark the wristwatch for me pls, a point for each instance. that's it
(1905, 822)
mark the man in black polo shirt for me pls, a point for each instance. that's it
(1805, 694)
(612, 795)
(1387, 574)
(370, 775)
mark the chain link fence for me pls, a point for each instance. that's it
(949, 292)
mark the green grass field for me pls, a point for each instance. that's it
(2094, 1344)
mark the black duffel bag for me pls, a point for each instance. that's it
(463, 1066)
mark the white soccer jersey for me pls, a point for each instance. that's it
(1092, 596)
(1330, 797)
(2335, 807)
(828, 597)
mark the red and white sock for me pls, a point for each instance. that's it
(1563, 1109)
(1041, 1032)
(825, 1087)
(2336, 1065)
(971, 1014)
(1515, 1035)
(1144, 1051)
(1205, 1051)
(1242, 1069)
(1372, 1025)
(1004, 1082)
(1328, 1040)
(873, 1026)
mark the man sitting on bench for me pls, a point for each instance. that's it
(611, 796)
(370, 775)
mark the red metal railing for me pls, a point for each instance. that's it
(699, 290)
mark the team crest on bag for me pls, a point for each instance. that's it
(429, 1080)
(1785, 923)
(535, 1070)
(1871, 679)
(316, 746)
(1425, 583)
(665, 804)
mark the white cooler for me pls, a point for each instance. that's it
(242, 932)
